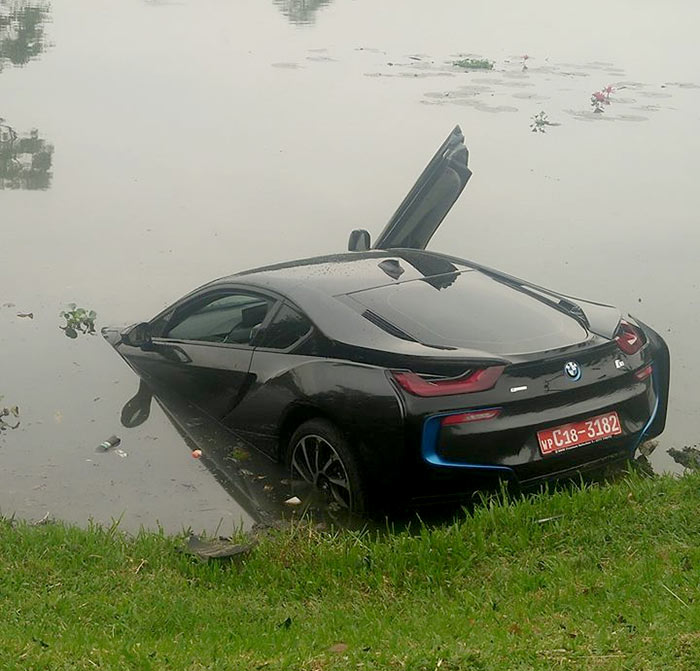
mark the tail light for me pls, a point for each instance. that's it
(471, 416)
(644, 373)
(629, 338)
(478, 380)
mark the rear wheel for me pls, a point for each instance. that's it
(320, 457)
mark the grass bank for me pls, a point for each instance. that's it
(611, 582)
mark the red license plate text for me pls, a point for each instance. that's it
(591, 430)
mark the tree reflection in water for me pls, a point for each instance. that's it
(22, 30)
(25, 161)
(301, 11)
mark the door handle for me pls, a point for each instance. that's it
(173, 353)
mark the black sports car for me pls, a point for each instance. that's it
(392, 366)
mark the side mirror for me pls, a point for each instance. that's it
(138, 335)
(359, 240)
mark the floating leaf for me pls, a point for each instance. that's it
(474, 64)
(78, 320)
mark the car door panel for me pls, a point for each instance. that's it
(203, 351)
(209, 375)
(430, 199)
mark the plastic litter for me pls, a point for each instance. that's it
(46, 519)
(108, 444)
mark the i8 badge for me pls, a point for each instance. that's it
(573, 370)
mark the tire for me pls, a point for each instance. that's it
(321, 455)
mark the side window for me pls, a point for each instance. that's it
(286, 328)
(225, 319)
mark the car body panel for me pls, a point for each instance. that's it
(211, 375)
(430, 199)
(358, 397)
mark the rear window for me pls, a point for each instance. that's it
(474, 311)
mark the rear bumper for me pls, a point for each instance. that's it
(507, 447)
(447, 485)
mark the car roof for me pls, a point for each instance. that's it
(340, 274)
(318, 286)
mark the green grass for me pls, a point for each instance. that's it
(474, 64)
(611, 584)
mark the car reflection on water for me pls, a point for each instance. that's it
(259, 486)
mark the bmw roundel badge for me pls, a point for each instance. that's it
(573, 370)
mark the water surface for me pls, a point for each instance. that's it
(147, 147)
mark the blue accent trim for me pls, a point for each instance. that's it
(431, 432)
(652, 417)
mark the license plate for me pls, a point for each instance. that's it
(566, 436)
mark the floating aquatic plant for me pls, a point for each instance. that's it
(9, 417)
(78, 320)
(540, 122)
(601, 98)
(688, 456)
(474, 64)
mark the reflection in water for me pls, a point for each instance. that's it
(258, 485)
(25, 161)
(22, 30)
(301, 11)
(251, 479)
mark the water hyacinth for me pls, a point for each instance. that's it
(78, 320)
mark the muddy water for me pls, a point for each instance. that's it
(146, 147)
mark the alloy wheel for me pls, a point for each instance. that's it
(315, 461)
